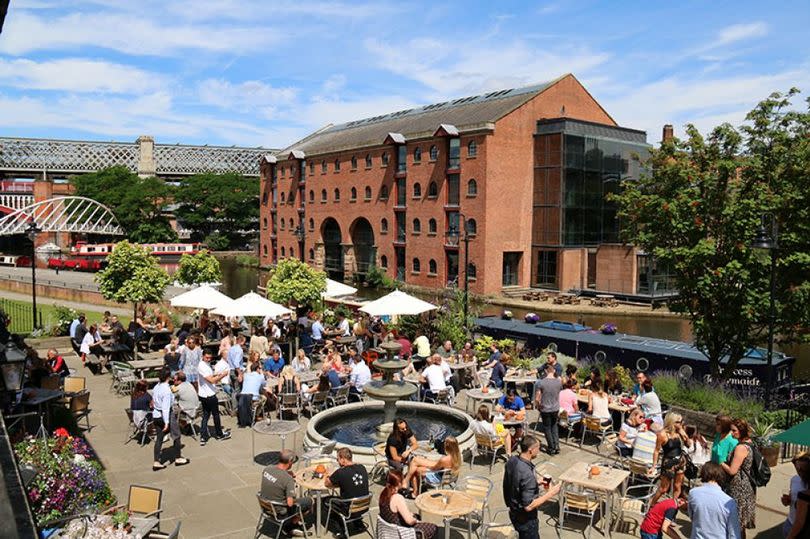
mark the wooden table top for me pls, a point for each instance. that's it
(477, 394)
(147, 363)
(307, 480)
(446, 503)
(465, 365)
(609, 479)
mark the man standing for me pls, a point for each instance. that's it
(350, 478)
(547, 400)
(236, 361)
(278, 485)
(166, 421)
(79, 320)
(361, 374)
(521, 490)
(714, 513)
(208, 398)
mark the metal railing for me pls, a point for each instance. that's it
(21, 316)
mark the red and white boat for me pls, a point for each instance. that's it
(84, 249)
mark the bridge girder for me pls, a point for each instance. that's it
(63, 214)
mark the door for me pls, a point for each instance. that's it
(511, 264)
(452, 268)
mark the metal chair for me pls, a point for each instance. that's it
(271, 512)
(478, 488)
(498, 526)
(568, 423)
(174, 535)
(580, 503)
(80, 407)
(386, 530)
(289, 402)
(636, 500)
(485, 445)
(341, 395)
(381, 468)
(139, 425)
(350, 510)
(318, 402)
(593, 425)
(226, 401)
(143, 502)
(442, 397)
(258, 408)
(323, 450)
(190, 417)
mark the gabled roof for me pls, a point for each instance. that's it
(465, 113)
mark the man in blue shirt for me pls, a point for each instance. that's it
(274, 363)
(513, 410)
(252, 389)
(317, 331)
(714, 513)
(236, 361)
(497, 366)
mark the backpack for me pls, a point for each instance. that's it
(760, 471)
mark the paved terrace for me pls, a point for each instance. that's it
(215, 495)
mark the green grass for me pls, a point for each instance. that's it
(21, 317)
(709, 399)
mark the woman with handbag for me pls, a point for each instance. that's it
(670, 443)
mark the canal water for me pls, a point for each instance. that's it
(238, 280)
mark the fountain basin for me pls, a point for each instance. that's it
(354, 426)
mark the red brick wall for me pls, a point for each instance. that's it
(616, 269)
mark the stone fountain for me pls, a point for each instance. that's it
(389, 390)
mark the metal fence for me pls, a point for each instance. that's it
(21, 315)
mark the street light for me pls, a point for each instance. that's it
(301, 235)
(769, 240)
(32, 232)
(452, 239)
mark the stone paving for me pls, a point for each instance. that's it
(215, 496)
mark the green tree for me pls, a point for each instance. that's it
(700, 208)
(136, 202)
(132, 275)
(202, 267)
(293, 280)
(214, 205)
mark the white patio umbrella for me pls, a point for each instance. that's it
(251, 304)
(335, 288)
(202, 297)
(397, 303)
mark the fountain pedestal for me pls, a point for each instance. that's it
(389, 390)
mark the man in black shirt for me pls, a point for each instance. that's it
(521, 490)
(350, 478)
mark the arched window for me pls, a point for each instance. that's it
(353, 195)
(283, 252)
(434, 153)
(282, 223)
(417, 266)
(432, 226)
(368, 160)
(472, 271)
(384, 226)
(432, 266)
(368, 193)
(472, 148)
(265, 250)
(264, 223)
(433, 190)
(311, 195)
(292, 224)
(311, 168)
(384, 261)
(417, 154)
(337, 194)
(323, 166)
(384, 192)
(417, 190)
(417, 226)
(337, 165)
(292, 252)
(311, 223)
(472, 188)
(312, 254)
(384, 159)
(282, 198)
(354, 162)
(323, 195)
(282, 172)
(472, 227)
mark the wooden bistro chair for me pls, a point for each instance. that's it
(278, 514)
(579, 503)
(75, 384)
(79, 406)
(350, 510)
(143, 502)
(487, 446)
(593, 425)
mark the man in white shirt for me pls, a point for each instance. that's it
(361, 374)
(166, 420)
(223, 366)
(208, 398)
(272, 330)
(343, 325)
(433, 377)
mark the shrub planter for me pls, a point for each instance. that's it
(771, 454)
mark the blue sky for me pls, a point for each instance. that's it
(269, 72)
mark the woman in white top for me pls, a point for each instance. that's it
(798, 483)
(483, 425)
(91, 339)
(699, 452)
(629, 431)
(598, 402)
(301, 362)
(649, 402)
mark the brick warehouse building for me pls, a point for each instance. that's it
(528, 168)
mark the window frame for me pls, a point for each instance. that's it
(417, 155)
(472, 149)
(472, 188)
(433, 153)
(416, 190)
(433, 190)
(416, 226)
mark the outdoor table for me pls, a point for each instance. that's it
(141, 365)
(517, 378)
(142, 526)
(115, 351)
(623, 409)
(34, 396)
(460, 367)
(608, 481)
(447, 504)
(607, 300)
(478, 395)
(281, 428)
(308, 377)
(306, 480)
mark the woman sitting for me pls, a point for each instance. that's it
(649, 402)
(323, 385)
(400, 445)
(629, 431)
(613, 385)
(394, 508)
(433, 469)
(288, 381)
(598, 402)
(301, 362)
(484, 425)
(571, 376)
(140, 402)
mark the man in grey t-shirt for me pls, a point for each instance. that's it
(278, 484)
(547, 400)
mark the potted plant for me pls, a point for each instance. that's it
(120, 520)
(523, 365)
(761, 435)
(608, 328)
(531, 318)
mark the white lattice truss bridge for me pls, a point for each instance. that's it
(62, 214)
(75, 156)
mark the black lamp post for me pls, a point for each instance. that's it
(769, 240)
(453, 238)
(32, 232)
(301, 235)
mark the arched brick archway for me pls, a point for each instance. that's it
(333, 249)
(363, 247)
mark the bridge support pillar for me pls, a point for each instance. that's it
(146, 156)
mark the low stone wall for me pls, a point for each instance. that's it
(91, 297)
(703, 421)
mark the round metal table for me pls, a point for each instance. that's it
(307, 480)
(474, 395)
(279, 427)
(447, 504)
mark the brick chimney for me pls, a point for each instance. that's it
(668, 133)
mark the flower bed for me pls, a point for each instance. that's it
(69, 478)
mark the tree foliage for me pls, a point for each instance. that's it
(199, 268)
(132, 275)
(136, 202)
(699, 210)
(217, 205)
(295, 281)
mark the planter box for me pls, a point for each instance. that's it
(703, 420)
(771, 454)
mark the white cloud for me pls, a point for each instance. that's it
(739, 32)
(248, 96)
(78, 75)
